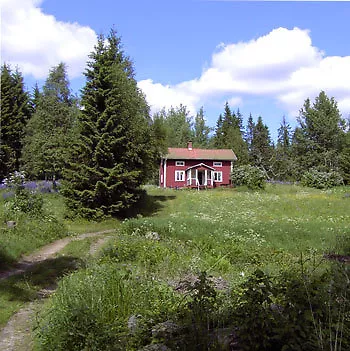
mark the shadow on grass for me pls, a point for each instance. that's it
(148, 205)
(43, 275)
(5, 259)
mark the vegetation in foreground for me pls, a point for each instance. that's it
(213, 268)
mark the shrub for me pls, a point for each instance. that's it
(21, 200)
(253, 177)
(321, 180)
(295, 310)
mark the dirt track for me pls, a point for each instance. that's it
(16, 335)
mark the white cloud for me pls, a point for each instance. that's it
(35, 41)
(159, 96)
(282, 65)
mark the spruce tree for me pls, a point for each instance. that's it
(283, 166)
(320, 135)
(201, 130)
(15, 112)
(114, 154)
(50, 132)
(262, 149)
(229, 134)
(219, 135)
(248, 136)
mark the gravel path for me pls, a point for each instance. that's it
(16, 335)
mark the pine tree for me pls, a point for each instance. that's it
(201, 130)
(50, 132)
(114, 154)
(15, 112)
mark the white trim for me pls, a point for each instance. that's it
(179, 174)
(217, 164)
(179, 163)
(220, 177)
(165, 173)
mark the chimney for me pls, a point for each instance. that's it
(189, 145)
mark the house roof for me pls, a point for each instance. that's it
(200, 154)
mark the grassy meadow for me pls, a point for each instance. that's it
(210, 261)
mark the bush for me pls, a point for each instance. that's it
(253, 177)
(295, 310)
(21, 200)
(321, 180)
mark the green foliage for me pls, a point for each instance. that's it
(251, 176)
(283, 164)
(296, 310)
(23, 200)
(114, 153)
(177, 123)
(228, 134)
(319, 138)
(261, 148)
(201, 130)
(15, 112)
(33, 225)
(51, 130)
(321, 180)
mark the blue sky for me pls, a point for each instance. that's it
(265, 58)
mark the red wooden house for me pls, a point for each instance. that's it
(197, 168)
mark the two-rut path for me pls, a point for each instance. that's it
(16, 335)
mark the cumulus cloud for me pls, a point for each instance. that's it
(282, 65)
(35, 41)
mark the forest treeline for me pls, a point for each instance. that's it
(105, 143)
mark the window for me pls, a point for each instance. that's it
(179, 176)
(217, 176)
(179, 163)
(217, 164)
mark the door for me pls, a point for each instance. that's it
(201, 177)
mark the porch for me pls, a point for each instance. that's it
(200, 176)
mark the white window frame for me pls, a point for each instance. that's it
(179, 163)
(217, 164)
(217, 176)
(179, 176)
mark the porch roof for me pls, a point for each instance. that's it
(201, 165)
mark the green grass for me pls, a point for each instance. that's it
(31, 233)
(17, 290)
(228, 233)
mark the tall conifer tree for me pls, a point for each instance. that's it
(15, 112)
(319, 138)
(50, 132)
(201, 130)
(114, 153)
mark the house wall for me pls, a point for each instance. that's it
(169, 175)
